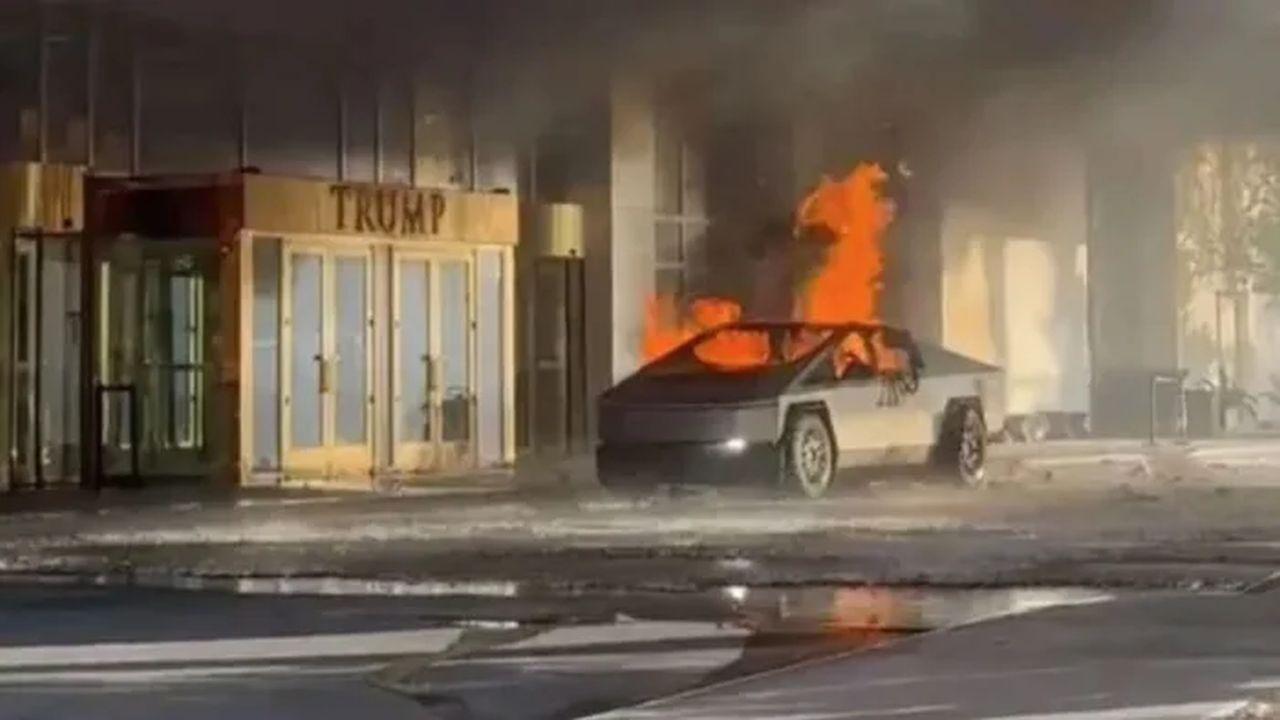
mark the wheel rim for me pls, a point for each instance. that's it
(972, 447)
(812, 458)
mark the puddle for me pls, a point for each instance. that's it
(657, 644)
(786, 610)
(894, 609)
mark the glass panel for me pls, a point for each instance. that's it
(52, 353)
(155, 381)
(489, 385)
(351, 361)
(19, 56)
(25, 287)
(693, 243)
(186, 376)
(66, 87)
(292, 115)
(60, 356)
(397, 127)
(669, 282)
(415, 331)
(454, 353)
(693, 187)
(179, 345)
(668, 246)
(24, 372)
(123, 315)
(266, 352)
(184, 132)
(304, 364)
(667, 159)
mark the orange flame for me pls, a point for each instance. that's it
(735, 350)
(853, 214)
(666, 328)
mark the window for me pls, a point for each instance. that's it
(19, 91)
(442, 136)
(66, 65)
(188, 125)
(292, 115)
(680, 211)
(396, 143)
(360, 100)
(113, 103)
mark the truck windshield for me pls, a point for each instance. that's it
(742, 349)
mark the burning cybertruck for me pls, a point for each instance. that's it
(790, 403)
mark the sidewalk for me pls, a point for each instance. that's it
(1164, 460)
(67, 498)
(574, 477)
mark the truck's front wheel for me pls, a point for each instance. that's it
(808, 455)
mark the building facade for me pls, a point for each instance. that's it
(620, 155)
(298, 261)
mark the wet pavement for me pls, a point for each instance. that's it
(77, 651)
(1207, 533)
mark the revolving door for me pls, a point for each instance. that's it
(157, 322)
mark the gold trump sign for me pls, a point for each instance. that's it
(277, 204)
(387, 210)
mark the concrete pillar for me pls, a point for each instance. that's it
(631, 200)
(1133, 304)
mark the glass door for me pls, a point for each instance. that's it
(432, 385)
(326, 327)
(349, 343)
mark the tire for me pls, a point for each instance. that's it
(808, 455)
(963, 445)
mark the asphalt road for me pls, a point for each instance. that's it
(71, 652)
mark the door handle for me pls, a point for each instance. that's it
(428, 372)
(433, 374)
(325, 371)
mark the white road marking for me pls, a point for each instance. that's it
(177, 674)
(1177, 711)
(397, 642)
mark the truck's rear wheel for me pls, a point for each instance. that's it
(963, 445)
